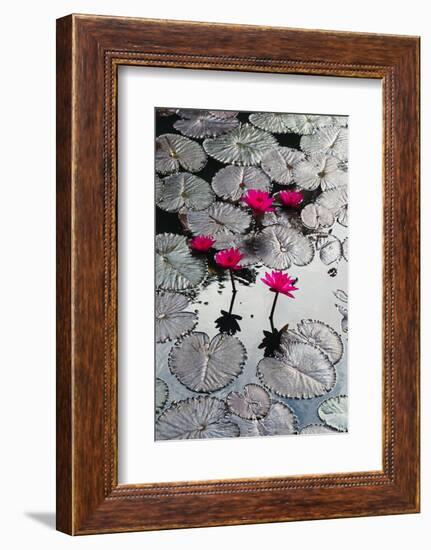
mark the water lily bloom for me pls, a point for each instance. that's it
(280, 282)
(229, 259)
(259, 201)
(201, 243)
(291, 199)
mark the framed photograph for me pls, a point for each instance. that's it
(237, 274)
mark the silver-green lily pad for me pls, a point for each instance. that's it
(336, 201)
(331, 140)
(172, 321)
(319, 170)
(176, 267)
(232, 182)
(174, 152)
(219, 218)
(317, 429)
(205, 124)
(315, 216)
(333, 412)
(271, 122)
(162, 395)
(303, 371)
(280, 163)
(330, 249)
(205, 365)
(280, 420)
(201, 417)
(185, 190)
(245, 146)
(279, 247)
(323, 337)
(244, 243)
(253, 403)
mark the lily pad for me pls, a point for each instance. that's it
(271, 122)
(162, 395)
(171, 319)
(253, 403)
(330, 249)
(219, 218)
(232, 182)
(333, 412)
(205, 124)
(205, 365)
(331, 140)
(317, 429)
(319, 170)
(244, 243)
(201, 417)
(346, 249)
(176, 267)
(307, 124)
(185, 190)
(280, 163)
(279, 247)
(280, 420)
(336, 201)
(315, 216)
(174, 152)
(245, 146)
(323, 337)
(303, 371)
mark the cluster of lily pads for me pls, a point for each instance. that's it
(290, 230)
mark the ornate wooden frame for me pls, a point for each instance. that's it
(89, 51)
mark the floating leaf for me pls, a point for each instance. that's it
(245, 145)
(176, 268)
(158, 186)
(280, 420)
(185, 190)
(278, 217)
(317, 429)
(174, 151)
(336, 201)
(219, 218)
(346, 249)
(341, 295)
(244, 243)
(162, 357)
(333, 412)
(303, 371)
(344, 319)
(171, 319)
(205, 124)
(205, 366)
(200, 417)
(331, 140)
(232, 182)
(279, 247)
(323, 337)
(319, 170)
(162, 395)
(330, 249)
(315, 216)
(307, 124)
(164, 111)
(271, 122)
(193, 113)
(253, 403)
(280, 163)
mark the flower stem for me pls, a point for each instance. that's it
(232, 281)
(232, 301)
(271, 315)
